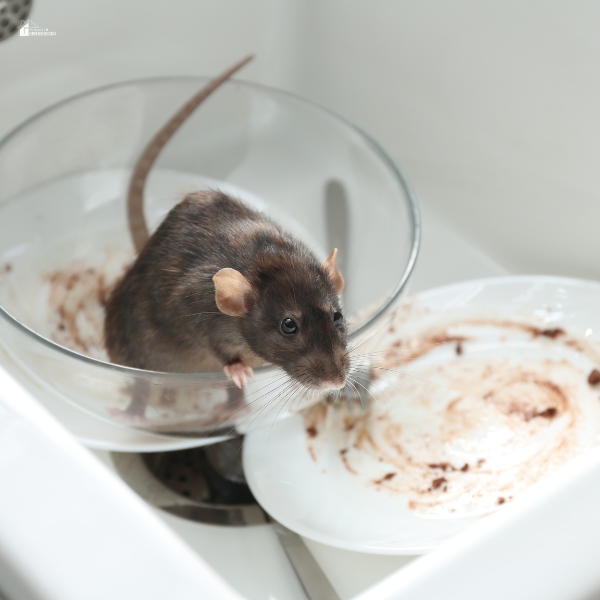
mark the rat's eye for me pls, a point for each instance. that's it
(338, 319)
(289, 326)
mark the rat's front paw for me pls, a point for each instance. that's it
(237, 371)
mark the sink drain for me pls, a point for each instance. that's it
(200, 484)
(12, 12)
(208, 485)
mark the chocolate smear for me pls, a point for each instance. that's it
(553, 333)
(385, 478)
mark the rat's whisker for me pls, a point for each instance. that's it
(267, 406)
(415, 377)
(397, 389)
(290, 399)
(254, 401)
(366, 390)
(304, 392)
(353, 384)
(254, 416)
(394, 314)
(281, 377)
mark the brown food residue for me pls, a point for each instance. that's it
(549, 413)
(385, 478)
(552, 333)
(459, 348)
(443, 466)
(77, 296)
(501, 500)
(436, 483)
(594, 377)
(312, 431)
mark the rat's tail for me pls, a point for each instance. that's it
(135, 193)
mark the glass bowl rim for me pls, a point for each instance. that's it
(412, 205)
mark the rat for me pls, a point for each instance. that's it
(220, 285)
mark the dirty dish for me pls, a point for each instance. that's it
(480, 390)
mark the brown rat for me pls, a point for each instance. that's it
(221, 286)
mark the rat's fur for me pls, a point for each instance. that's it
(163, 315)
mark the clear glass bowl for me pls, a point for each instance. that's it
(64, 237)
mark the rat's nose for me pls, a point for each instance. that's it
(333, 384)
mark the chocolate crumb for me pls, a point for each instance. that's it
(312, 431)
(465, 468)
(443, 466)
(549, 413)
(552, 333)
(7, 267)
(480, 462)
(501, 500)
(436, 483)
(343, 451)
(459, 348)
(594, 377)
(385, 478)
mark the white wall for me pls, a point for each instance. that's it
(492, 108)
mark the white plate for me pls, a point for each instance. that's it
(506, 444)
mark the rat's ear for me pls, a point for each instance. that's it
(332, 270)
(231, 288)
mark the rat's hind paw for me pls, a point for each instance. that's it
(237, 371)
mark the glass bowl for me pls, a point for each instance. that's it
(64, 238)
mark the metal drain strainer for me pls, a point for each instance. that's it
(201, 484)
(211, 474)
(12, 12)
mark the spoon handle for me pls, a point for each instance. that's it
(312, 578)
